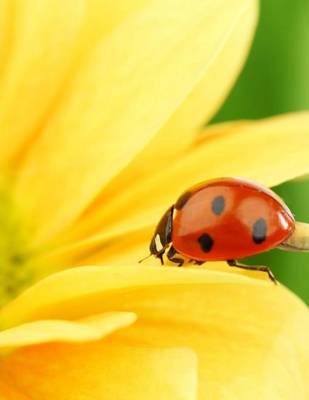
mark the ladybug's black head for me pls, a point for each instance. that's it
(163, 234)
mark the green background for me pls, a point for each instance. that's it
(275, 80)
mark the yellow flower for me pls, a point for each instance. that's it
(101, 112)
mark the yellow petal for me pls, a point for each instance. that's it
(251, 341)
(101, 17)
(36, 66)
(39, 59)
(121, 246)
(106, 370)
(6, 30)
(52, 297)
(268, 151)
(249, 336)
(43, 331)
(10, 393)
(211, 91)
(199, 106)
(122, 95)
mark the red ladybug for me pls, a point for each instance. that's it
(224, 219)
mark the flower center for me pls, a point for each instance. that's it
(15, 269)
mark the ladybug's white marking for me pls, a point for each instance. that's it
(283, 221)
(158, 243)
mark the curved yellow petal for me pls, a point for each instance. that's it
(200, 105)
(106, 370)
(52, 297)
(121, 246)
(206, 98)
(6, 12)
(10, 393)
(37, 62)
(251, 341)
(268, 151)
(122, 95)
(101, 18)
(43, 331)
(249, 336)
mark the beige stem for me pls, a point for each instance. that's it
(299, 240)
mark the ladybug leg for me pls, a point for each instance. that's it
(234, 263)
(160, 256)
(197, 262)
(170, 255)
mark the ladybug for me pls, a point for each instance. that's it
(223, 220)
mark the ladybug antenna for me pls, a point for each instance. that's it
(145, 258)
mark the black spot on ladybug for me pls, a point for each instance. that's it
(182, 200)
(218, 205)
(259, 231)
(206, 242)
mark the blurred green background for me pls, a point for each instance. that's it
(275, 80)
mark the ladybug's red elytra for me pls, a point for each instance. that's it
(223, 220)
